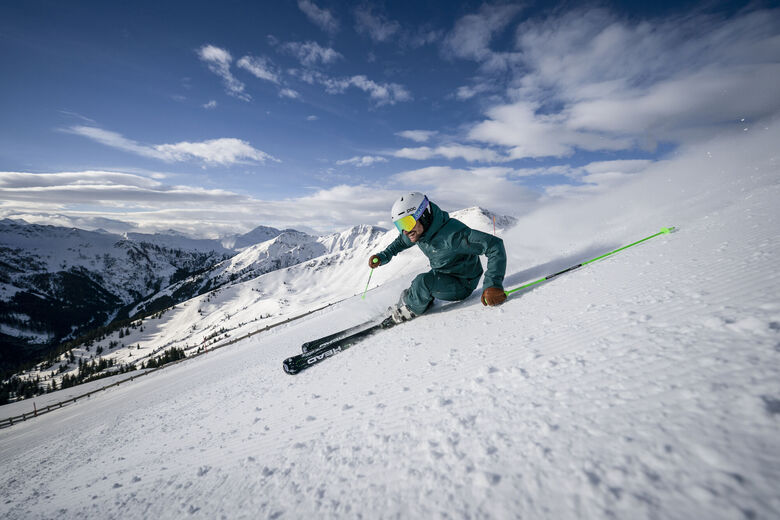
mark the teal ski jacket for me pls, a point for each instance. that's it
(454, 248)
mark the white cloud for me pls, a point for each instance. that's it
(218, 61)
(310, 53)
(210, 105)
(422, 36)
(33, 181)
(381, 93)
(625, 166)
(471, 37)
(261, 68)
(114, 140)
(71, 113)
(322, 18)
(529, 134)
(467, 92)
(564, 170)
(366, 160)
(115, 201)
(418, 136)
(592, 178)
(377, 27)
(289, 93)
(102, 188)
(589, 80)
(224, 151)
(673, 107)
(381, 29)
(312, 118)
(420, 153)
(468, 153)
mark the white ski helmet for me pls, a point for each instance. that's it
(409, 209)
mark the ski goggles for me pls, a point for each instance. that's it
(408, 222)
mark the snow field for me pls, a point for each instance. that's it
(645, 385)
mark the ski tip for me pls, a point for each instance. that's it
(670, 229)
(288, 366)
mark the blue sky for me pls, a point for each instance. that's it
(211, 117)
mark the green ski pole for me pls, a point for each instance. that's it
(666, 230)
(370, 272)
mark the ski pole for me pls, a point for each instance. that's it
(370, 272)
(666, 230)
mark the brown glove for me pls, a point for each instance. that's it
(374, 262)
(493, 296)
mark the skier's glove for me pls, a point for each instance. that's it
(374, 262)
(493, 296)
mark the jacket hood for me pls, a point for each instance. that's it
(440, 218)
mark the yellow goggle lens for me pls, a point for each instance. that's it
(405, 223)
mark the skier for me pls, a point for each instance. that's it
(453, 250)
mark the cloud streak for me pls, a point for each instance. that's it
(378, 27)
(362, 161)
(380, 93)
(467, 153)
(472, 35)
(224, 151)
(418, 136)
(261, 68)
(320, 17)
(218, 61)
(311, 53)
(102, 188)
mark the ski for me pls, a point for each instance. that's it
(315, 344)
(327, 349)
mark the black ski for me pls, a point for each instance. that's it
(295, 364)
(315, 344)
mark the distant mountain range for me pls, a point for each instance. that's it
(286, 249)
(57, 283)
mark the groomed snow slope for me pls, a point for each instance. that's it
(646, 385)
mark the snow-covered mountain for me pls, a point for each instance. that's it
(258, 235)
(645, 385)
(57, 283)
(286, 249)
